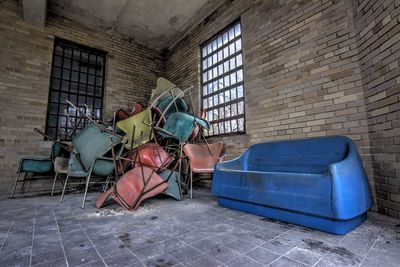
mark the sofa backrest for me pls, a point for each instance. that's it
(312, 155)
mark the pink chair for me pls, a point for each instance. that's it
(202, 159)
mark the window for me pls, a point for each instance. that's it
(222, 82)
(77, 75)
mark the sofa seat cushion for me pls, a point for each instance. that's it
(302, 192)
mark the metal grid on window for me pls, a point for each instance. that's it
(222, 82)
(77, 75)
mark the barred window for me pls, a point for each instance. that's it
(77, 75)
(222, 82)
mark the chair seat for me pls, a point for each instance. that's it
(61, 165)
(36, 165)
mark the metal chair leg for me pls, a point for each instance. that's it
(23, 183)
(86, 189)
(191, 184)
(54, 183)
(105, 186)
(15, 185)
(64, 188)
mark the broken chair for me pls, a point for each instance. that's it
(133, 188)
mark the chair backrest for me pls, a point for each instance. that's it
(201, 157)
(167, 106)
(60, 164)
(92, 143)
(313, 155)
(153, 156)
(162, 86)
(181, 125)
(143, 131)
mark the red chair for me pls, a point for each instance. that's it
(150, 155)
(202, 159)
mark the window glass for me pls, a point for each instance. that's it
(77, 76)
(222, 83)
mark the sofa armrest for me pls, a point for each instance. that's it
(234, 164)
(351, 195)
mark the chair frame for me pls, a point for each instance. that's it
(191, 171)
(90, 171)
(25, 179)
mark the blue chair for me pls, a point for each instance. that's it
(319, 183)
(36, 166)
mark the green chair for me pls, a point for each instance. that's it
(36, 166)
(88, 158)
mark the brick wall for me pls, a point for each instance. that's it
(378, 36)
(25, 56)
(306, 74)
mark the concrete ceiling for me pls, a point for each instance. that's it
(157, 23)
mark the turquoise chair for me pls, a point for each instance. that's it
(181, 125)
(174, 188)
(88, 158)
(36, 166)
(167, 105)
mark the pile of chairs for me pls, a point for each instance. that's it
(145, 152)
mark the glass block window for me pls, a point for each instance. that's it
(77, 75)
(222, 82)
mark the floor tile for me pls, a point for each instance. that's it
(240, 246)
(262, 255)
(84, 257)
(161, 260)
(221, 253)
(387, 255)
(15, 262)
(60, 262)
(286, 262)
(304, 256)
(277, 246)
(202, 261)
(125, 259)
(338, 259)
(50, 255)
(185, 253)
(243, 261)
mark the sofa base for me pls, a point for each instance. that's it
(338, 227)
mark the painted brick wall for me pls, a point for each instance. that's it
(25, 56)
(307, 73)
(378, 35)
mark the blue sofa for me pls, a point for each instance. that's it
(318, 183)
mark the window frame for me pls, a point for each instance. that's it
(224, 74)
(59, 91)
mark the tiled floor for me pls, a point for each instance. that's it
(41, 232)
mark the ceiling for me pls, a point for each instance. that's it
(156, 23)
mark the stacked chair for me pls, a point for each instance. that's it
(90, 147)
(145, 152)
